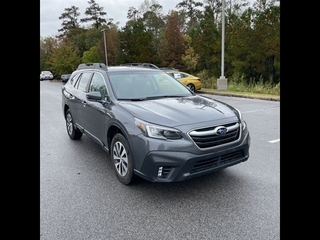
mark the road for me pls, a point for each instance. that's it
(80, 197)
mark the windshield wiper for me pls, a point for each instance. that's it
(131, 99)
(149, 98)
(164, 96)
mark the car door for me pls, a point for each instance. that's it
(96, 113)
(78, 97)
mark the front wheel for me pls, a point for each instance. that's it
(122, 160)
(73, 132)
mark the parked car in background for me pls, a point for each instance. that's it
(46, 75)
(152, 126)
(65, 77)
(192, 82)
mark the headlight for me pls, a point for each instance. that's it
(242, 122)
(156, 131)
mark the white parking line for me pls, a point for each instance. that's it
(260, 110)
(274, 141)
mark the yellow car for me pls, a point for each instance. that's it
(192, 82)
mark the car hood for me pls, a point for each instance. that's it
(179, 111)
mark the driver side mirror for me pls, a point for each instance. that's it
(94, 96)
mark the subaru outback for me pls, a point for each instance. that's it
(151, 125)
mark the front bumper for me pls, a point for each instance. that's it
(47, 78)
(170, 166)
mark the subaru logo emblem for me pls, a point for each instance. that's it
(221, 130)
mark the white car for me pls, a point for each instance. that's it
(46, 75)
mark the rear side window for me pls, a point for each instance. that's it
(83, 81)
(177, 75)
(73, 80)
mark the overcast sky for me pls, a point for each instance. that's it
(51, 10)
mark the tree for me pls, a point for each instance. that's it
(133, 13)
(113, 45)
(172, 46)
(136, 42)
(216, 8)
(91, 56)
(190, 58)
(70, 19)
(154, 21)
(267, 38)
(47, 46)
(207, 43)
(95, 13)
(64, 59)
(190, 9)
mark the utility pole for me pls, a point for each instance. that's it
(222, 82)
(105, 45)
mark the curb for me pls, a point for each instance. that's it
(241, 95)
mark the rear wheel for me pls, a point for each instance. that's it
(191, 87)
(122, 160)
(73, 132)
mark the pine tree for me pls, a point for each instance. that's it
(94, 13)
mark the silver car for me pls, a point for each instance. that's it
(46, 75)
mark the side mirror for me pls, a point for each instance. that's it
(94, 96)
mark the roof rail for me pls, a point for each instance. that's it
(168, 68)
(92, 66)
(147, 65)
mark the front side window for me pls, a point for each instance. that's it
(97, 85)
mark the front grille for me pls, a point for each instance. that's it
(217, 161)
(208, 137)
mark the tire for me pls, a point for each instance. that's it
(122, 159)
(73, 132)
(191, 87)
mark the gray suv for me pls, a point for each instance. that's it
(152, 126)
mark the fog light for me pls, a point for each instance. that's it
(160, 171)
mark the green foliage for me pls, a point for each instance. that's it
(207, 44)
(63, 60)
(190, 9)
(95, 14)
(92, 37)
(70, 19)
(113, 45)
(47, 46)
(172, 47)
(135, 40)
(190, 58)
(237, 83)
(207, 79)
(91, 56)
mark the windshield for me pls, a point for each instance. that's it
(142, 85)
